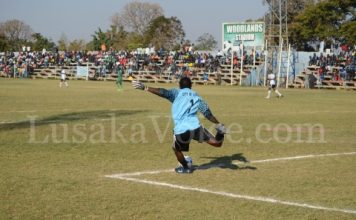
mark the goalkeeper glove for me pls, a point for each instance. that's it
(138, 85)
(220, 128)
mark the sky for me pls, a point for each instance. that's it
(79, 19)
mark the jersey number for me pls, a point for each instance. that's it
(191, 105)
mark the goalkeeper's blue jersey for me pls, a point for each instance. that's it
(186, 104)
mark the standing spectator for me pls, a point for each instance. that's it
(103, 70)
(306, 81)
(321, 73)
(205, 78)
(15, 70)
(343, 73)
(24, 70)
(7, 71)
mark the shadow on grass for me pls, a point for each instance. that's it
(69, 117)
(226, 162)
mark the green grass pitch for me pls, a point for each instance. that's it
(58, 145)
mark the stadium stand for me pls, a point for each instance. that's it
(323, 72)
(203, 68)
(329, 72)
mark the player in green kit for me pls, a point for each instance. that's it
(119, 78)
(185, 105)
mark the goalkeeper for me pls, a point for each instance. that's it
(185, 105)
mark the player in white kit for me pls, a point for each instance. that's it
(63, 78)
(272, 86)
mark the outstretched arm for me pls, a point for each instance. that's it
(164, 93)
(156, 91)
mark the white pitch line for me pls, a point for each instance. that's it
(139, 173)
(300, 157)
(232, 195)
(160, 171)
(283, 113)
(26, 121)
(23, 111)
(237, 163)
(52, 121)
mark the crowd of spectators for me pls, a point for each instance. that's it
(22, 64)
(340, 66)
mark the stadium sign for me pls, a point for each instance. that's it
(250, 34)
(82, 71)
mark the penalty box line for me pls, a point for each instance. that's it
(236, 163)
(301, 157)
(233, 195)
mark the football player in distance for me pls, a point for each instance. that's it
(272, 86)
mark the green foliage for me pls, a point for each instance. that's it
(164, 33)
(348, 31)
(157, 32)
(297, 6)
(324, 21)
(134, 45)
(4, 43)
(206, 42)
(17, 34)
(77, 45)
(63, 43)
(89, 46)
(100, 38)
(134, 41)
(40, 42)
(119, 37)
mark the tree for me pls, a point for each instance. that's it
(100, 38)
(17, 33)
(272, 18)
(293, 7)
(77, 45)
(326, 21)
(40, 42)
(297, 6)
(206, 42)
(164, 33)
(63, 42)
(134, 41)
(348, 32)
(136, 16)
(4, 44)
(119, 37)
